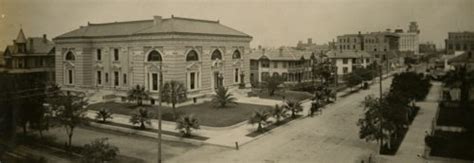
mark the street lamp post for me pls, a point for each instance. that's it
(159, 111)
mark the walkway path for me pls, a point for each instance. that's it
(413, 145)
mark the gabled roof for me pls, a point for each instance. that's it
(162, 26)
(283, 54)
(34, 45)
(348, 54)
(466, 57)
(21, 37)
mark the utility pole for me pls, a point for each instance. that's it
(159, 112)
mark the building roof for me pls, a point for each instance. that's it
(283, 54)
(34, 46)
(466, 57)
(154, 26)
(21, 37)
(348, 54)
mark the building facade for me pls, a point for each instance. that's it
(409, 40)
(369, 42)
(313, 47)
(115, 57)
(427, 47)
(347, 61)
(293, 65)
(30, 55)
(459, 41)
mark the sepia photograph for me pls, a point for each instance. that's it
(236, 81)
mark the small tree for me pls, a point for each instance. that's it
(99, 151)
(352, 79)
(260, 117)
(70, 112)
(103, 114)
(142, 117)
(186, 123)
(294, 106)
(174, 92)
(278, 112)
(271, 83)
(138, 94)
(223, 97)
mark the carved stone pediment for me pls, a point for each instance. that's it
(193, 66)
(217, 63)
(116, 66)
(68, 64)
(237, 62)
(153, 67)
(98, 66)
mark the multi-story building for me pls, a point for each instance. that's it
(30, 55)
(293, 65)
(106, 57)
(313, 47)
(347, 61)
(370, 42)
(350, 42)
(459, 41)
(409, 41)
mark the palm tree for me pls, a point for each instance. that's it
(260, 117)
(138, 94)
(174, 92)
(186, 123)
(103, 115)
(142, 117)
(294, 106)
(223, 97)
(279, 112)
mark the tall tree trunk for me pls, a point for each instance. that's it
(175, 113)
(142, 125)
(259, 126)
(70, 139)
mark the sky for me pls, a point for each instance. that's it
(272, 23)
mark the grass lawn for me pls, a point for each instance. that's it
(282, 94)
(207, 114)
(455, 145)
(451, 116)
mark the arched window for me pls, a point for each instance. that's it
(70, 56)
(216, 55)
(236, 55)
(192, 56)
(154, 56)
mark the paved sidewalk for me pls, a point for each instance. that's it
(413, 145)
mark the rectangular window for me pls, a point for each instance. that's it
(116, 54)
(99, 78)
(154, 81)
(192, 80)
(275, 65)
(236, 75)
(124, 79)
(345, 70)
(70, 76)
(353, 60)
(116, 78)
(99, 54)
(344, 61)
(265, 64)
(284, 64)
(106, 77)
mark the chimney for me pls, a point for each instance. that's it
(157, 20)
(359, 33)
(388, 30)
(281, 51)
(310, 41)
(31, 45)
(45, 38)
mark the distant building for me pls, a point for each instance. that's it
(111, 58)
(409, 41)
(464, 59)
(427, 47)
(459, 41)
(293, 65)
(347, 61)
(313, 47)
(30, 55)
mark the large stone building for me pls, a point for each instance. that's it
(409, 40)
(30, 55)
(313, 47)
(459, 41)
(293, 65)
(369, 42)
(427, 47)
(113, 57)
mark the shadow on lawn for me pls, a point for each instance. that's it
(272, 126)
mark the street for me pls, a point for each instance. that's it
(330, 137)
